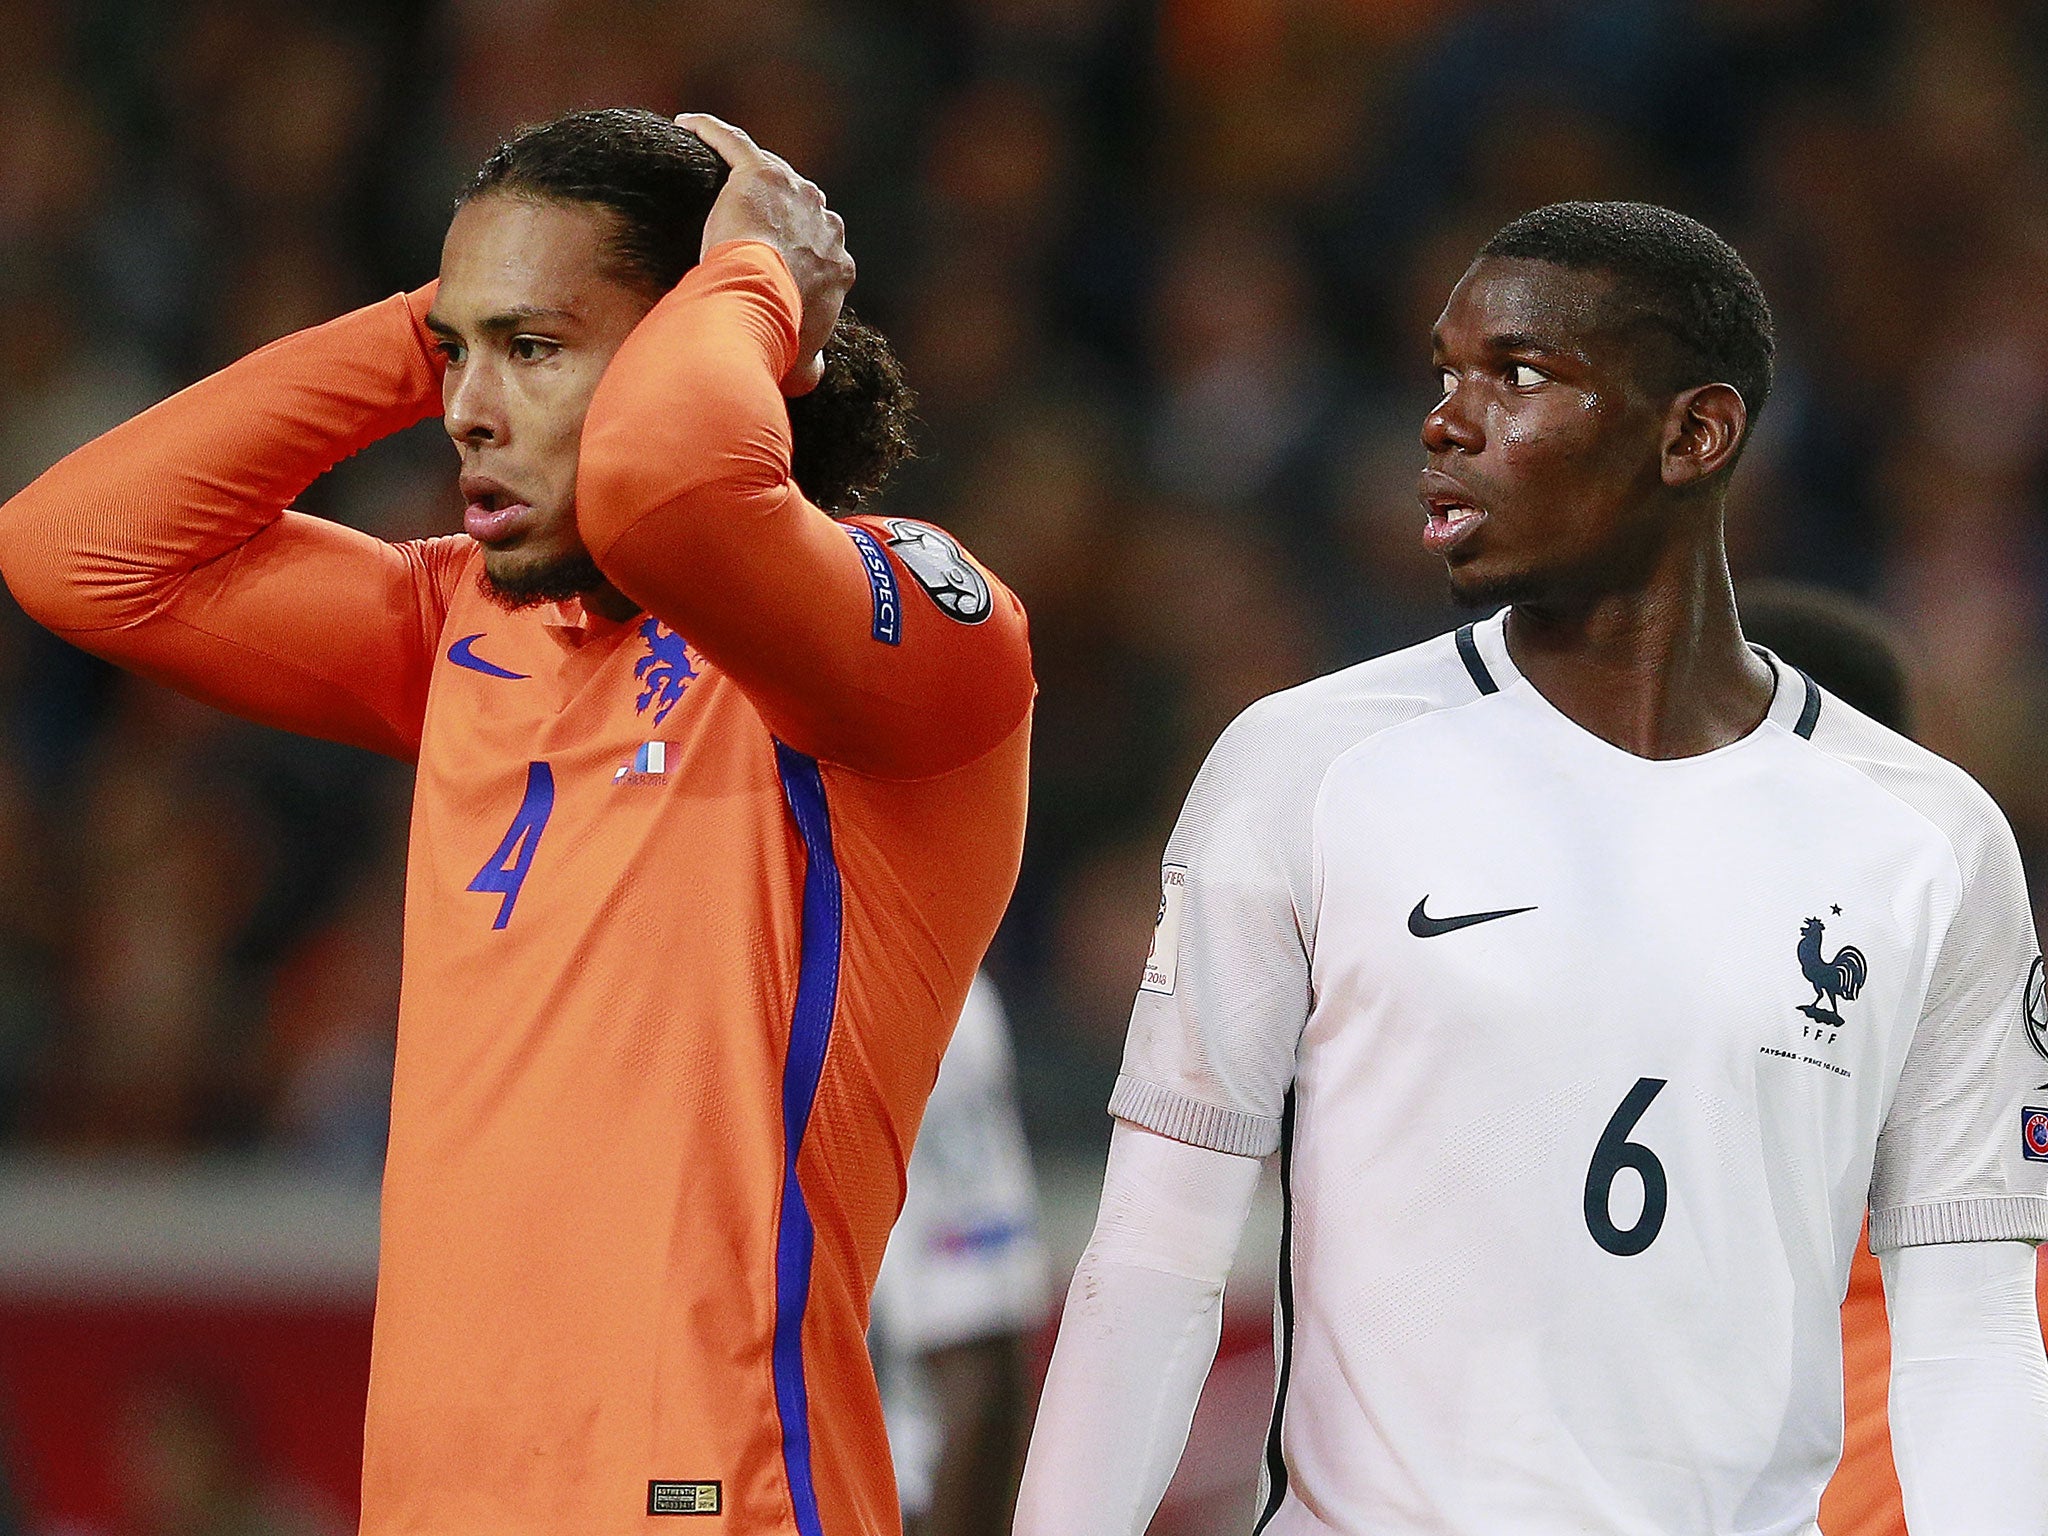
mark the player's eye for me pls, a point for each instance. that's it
(532, 349)
(1446, 381)
(452, 350)
(1522, 376)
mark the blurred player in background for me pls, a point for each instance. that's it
(1850, 650)
(962, 1289)
(719, 800)
(1589, 970)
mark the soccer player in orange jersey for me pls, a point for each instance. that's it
(719, 800)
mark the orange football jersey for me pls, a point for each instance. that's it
(693, 899)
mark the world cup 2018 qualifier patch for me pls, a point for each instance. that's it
(691, 1498)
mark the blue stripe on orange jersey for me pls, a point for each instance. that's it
(810, 1029)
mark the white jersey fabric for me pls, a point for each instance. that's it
(965, 1260)
(1582, 1067)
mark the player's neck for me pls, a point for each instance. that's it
(609, 602)
(1660, 670)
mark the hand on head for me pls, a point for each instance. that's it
(765, 200)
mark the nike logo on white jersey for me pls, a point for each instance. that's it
(1423, 926)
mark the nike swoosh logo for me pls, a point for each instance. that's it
(1423, 926)
(461, 654)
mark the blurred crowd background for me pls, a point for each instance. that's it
(1163, 274)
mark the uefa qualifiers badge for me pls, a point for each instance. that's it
(2034, 1134)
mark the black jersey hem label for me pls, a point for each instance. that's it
(691, 1498)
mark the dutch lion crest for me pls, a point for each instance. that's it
(665, 671)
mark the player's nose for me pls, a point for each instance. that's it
(473, 406)
(1452, 425)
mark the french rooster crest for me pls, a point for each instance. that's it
(1838, 980)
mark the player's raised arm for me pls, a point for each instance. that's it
(687, 503)
(166, 545)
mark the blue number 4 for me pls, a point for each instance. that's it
(505, 870)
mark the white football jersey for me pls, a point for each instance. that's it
(1583, 1067)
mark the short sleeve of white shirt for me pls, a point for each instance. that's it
(1963, 1154)
(1225, 992)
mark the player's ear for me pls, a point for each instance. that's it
(1702, 433)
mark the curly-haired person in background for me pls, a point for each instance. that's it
(716, 811)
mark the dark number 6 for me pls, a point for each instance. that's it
(1615, 1152)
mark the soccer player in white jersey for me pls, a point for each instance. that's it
(1589, 971)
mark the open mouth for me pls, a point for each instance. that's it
(1448, 522)
(493, 514)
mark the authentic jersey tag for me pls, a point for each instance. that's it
(1164, 961)
(2034, 1134)
(685, 1498)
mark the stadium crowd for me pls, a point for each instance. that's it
(1162, 275)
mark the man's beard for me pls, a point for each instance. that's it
(554, 581)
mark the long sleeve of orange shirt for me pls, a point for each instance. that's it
(686, 502)
(166, 545)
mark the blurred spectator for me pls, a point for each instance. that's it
(1246, 384)
(329, 1025)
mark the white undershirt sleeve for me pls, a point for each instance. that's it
(1969, 1389)
(1138, 1335)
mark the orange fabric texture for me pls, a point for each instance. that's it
(1863, 1497)
(621, 893)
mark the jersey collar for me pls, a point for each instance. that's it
(1795, 699)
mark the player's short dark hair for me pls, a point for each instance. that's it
(1846, 645)
(1675, 273)
(659, 181)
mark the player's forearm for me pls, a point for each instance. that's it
(1134, 1348)
(1137, 1338)
(102, 540)
(1969, 1394)
(685, 501)
(688, 430)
